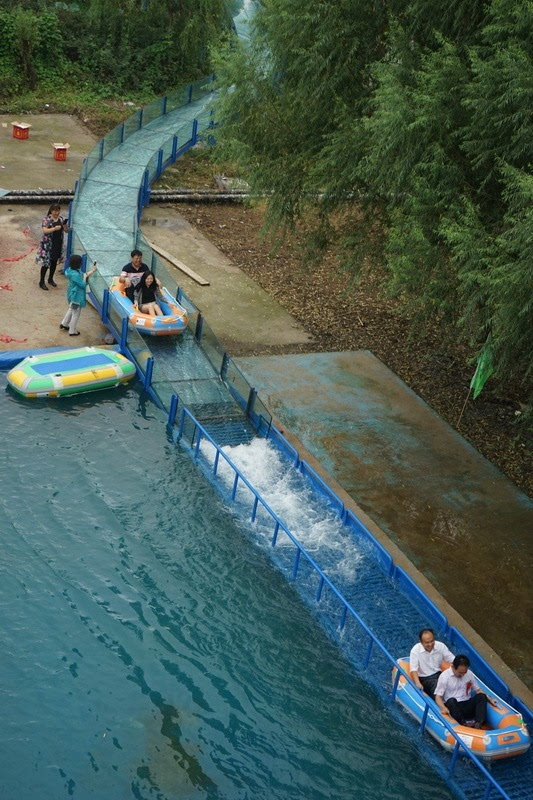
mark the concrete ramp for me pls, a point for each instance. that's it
(462, 522)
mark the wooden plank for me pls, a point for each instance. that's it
(179, 264)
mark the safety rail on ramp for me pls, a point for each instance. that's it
(190, 432)
(123, 233)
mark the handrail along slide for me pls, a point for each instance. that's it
(200, 433)
(245, 396)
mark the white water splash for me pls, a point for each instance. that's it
(291, 497)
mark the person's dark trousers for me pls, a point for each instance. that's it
(475, 707)
(429, 683)
(53, 265)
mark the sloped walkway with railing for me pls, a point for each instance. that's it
(113, 188)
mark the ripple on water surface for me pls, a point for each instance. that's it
(150, 649)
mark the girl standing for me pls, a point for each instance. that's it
(76, 294)
(51, 244)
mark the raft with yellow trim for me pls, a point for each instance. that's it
(174, 321)
(82, 369)
(504, 734)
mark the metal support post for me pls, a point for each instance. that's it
(224, 366)
(124, 335)
(295, 565)
(69, 244)
(160, 162)
(101, 149)
(173, 155)
(251, 403)
(105, 306)
(173, 410)
(139, 119)
(189, 93)
(163, 106)
(121, 133)
(194, 136)
(199, 326)
(148, 373)
(84, 263)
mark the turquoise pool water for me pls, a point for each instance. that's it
(150, 648)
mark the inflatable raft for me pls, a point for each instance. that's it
(82, 369)
(503, 735)
(174, 321)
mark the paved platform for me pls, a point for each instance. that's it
(242, 315)
(29, 163)
(29, 317)
(462, 523)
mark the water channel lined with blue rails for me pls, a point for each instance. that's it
(151, 649)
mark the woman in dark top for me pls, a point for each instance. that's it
(147, 293)
(51, 244)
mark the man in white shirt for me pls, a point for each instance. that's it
(425, 661)
(454, 694)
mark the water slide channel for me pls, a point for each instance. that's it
(151, 647)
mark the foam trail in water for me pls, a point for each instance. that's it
(290, 496)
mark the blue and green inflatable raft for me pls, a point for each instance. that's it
(65, 372)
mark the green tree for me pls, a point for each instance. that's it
(405, 129)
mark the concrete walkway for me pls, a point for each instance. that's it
(29, 163)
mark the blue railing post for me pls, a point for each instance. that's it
(163, 106)
(199, 326)
(101, 149)
(319, 590)
(153, 262)
(423, 721)
(254, 509)
(173, 410)
(140, 119)
(224, 366)
(395, 684)
(189, 93)
(146, 188)
(124, 335)
(487, 791)
(121, 133)
(160, 162)
(105, 306)
(294, 572)
(251, 402)
(69, 244)
(194, 135)
(343, 618)
(174, 152)
(84, 263)
(148, 373)
(275, 536)
(368, 653)
(455, 755)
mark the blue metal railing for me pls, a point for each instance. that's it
(262, 423)
(195, 440)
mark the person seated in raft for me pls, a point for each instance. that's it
(425, 660)
(146, 294)
(133, 272)
(453, 694)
